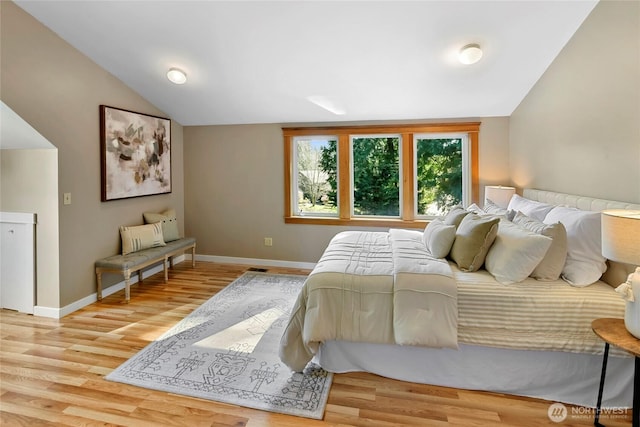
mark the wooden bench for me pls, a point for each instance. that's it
(136, 261)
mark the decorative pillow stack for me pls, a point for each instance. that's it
(168, 221)
(139, 237)
(463, 235)
(529, 239)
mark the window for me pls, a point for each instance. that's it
(376, 175)
(379, 175)
(315, 176)
(441, 165)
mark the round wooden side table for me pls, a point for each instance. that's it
(613, 331)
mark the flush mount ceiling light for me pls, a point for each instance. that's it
(470, 54)
(177, 76)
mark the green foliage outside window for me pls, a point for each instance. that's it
(376, 175)
(313, 184)
(439, 174)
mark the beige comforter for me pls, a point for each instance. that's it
(373, 287)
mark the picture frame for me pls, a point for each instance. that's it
(135, 154)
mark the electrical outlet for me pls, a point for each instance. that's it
(268, 241)
(66, 198)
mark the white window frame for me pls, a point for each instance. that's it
(466, 167)
(294, 187)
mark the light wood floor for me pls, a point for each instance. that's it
(51, 372)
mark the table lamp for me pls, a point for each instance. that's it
(499, 195)
(621, 242)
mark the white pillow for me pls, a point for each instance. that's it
(552, 264)
(515, 253)
(475, 209)
(585, 263)
(438, 238)
(528, 207)
(491, 208)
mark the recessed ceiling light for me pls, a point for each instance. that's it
(177, 76)
(470, 54)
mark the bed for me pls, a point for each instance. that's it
(423, 319)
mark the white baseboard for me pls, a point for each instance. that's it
(255, 261)
(58, 313)
(47, 312)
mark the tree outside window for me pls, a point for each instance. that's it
(315, 176)
(438, 174)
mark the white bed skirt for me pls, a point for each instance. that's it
(571, 378)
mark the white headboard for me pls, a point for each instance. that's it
(580, 202)
(616, 273)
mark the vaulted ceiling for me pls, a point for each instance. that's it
(319, 61)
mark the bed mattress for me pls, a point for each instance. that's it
(532, 315)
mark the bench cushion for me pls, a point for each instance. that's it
(130, 261)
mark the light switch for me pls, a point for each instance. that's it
(66, 198)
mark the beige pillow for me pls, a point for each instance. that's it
(515, 253)
(551, 265)
(438, 238)
(169, 223)
(455, 215)
(474, 237)
(139, 237)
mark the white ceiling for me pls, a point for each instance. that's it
(261, 61)
(15, 133)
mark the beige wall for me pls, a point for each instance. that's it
(234, 190)
(29, 183)
(57, 90)
(578, 130)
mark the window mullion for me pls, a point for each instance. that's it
(475, 172)
(344, 175)
(288, 175)
(408, 180)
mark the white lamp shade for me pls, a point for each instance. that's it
(621, 235)
(499, 195)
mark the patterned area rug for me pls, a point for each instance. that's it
(227, 351)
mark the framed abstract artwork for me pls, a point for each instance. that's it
(135, 154)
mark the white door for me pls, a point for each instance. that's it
(17, 261)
